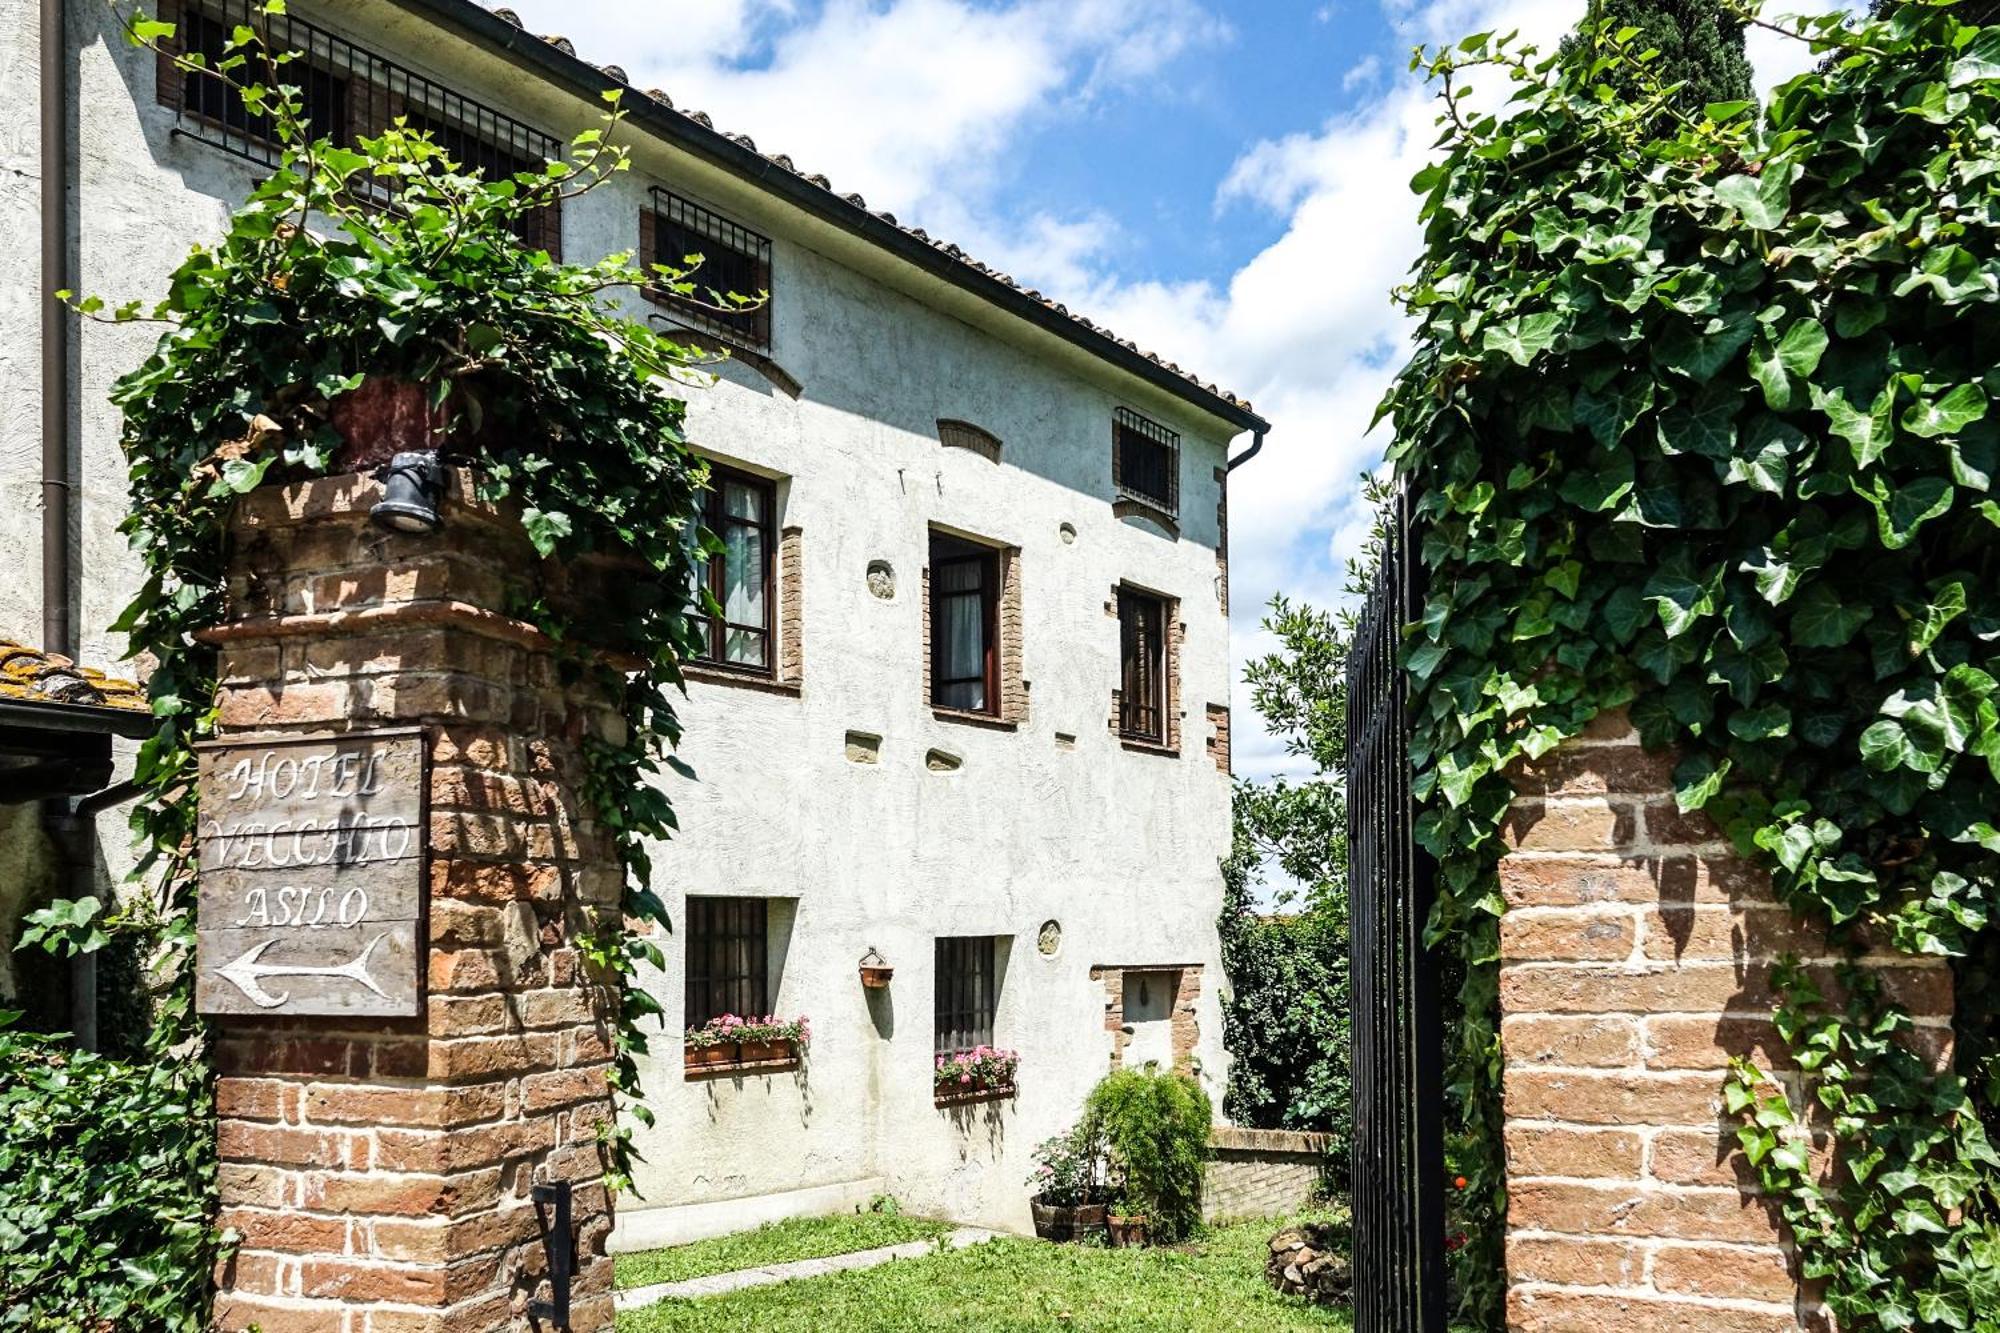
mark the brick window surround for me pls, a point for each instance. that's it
(1185, 979)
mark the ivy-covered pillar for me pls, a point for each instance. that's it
(398, 867)
(1640, 956)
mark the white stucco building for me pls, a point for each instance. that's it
(970, 710)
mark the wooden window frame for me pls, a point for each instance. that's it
(965, 993)
(1133, 604)
(709, 990)
(715, 518)
(1128, 427)
(966, 552)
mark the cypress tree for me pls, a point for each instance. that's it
(1699, 41)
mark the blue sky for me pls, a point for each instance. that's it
(1224, 183)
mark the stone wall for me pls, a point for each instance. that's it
(379, 1171)
(1260, 1172)
(1636, 959)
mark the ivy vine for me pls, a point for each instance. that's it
(1700, 422)
(385, 258)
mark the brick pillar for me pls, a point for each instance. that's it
(380, 1170)
(1636, 958)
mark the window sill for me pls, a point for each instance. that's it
(1139, 745)
(949, 1099)
(742, 680)
(972, 719)
(737, 1060)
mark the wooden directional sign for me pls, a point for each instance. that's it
(312, 876)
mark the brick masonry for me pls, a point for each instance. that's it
(1636, 956)
(379, 1172)
(1186, 1033)
(792, 606)
(1260, 1172)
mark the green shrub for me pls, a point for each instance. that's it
(1156, 1126)
(106, 1171)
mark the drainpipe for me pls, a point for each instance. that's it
(69, 827)
(1256, 443)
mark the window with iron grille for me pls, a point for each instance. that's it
(1146, 461)
(967, 993)
(727, 946)
(965, 600)
(738, 509)
(347, 92)
(1142, 653)
(734, 262)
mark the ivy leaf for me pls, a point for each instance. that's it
(1697, 780)
(1608, 414)
(1821, 620)
(1680, 599)
(1869, 434)
(1947, 415)
(1979, 61)
(1803, 346)
(1525, 338)
(1771, 722)
(545, 530)
(1762, 200)
(1602, 488)
(1901, 510)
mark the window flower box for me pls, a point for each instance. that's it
(982, 1074)
(729, 1045)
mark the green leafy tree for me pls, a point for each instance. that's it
(1700, 45)
(1155, 1125)
(1286, 1014)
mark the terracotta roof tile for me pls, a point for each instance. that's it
(994, 275)
(29, 675)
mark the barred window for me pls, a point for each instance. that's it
(347, 92)
(738, 510)
(967, 993)
(727, 946)
(734, 262)
(1142, 640)
(1145, 461)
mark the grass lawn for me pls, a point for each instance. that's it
(1215, 1283)
(775, 1243)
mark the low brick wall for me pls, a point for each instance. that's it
(1260, 1172)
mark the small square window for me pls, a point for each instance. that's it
(727, 952)
(1146, 461)
(735, 262)
(967, 993)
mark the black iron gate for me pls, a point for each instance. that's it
(1398, 1151)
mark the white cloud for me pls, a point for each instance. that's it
(908, 102)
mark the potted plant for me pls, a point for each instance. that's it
(733, 1040)
(979, 1074)
(1156, 1127)
(1069, 1179)
(875, 971)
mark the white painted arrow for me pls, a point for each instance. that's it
(247, 974)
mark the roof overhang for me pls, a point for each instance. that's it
(55, 750)
(525, 50)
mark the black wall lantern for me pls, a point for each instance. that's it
(412, 494)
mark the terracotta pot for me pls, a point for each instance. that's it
(756, 1052)
(1066, 1222)
(877, 978)
(386, 416)
(700, 1057)
(1128, 1232)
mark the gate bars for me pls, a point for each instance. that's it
(1398, 1148)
